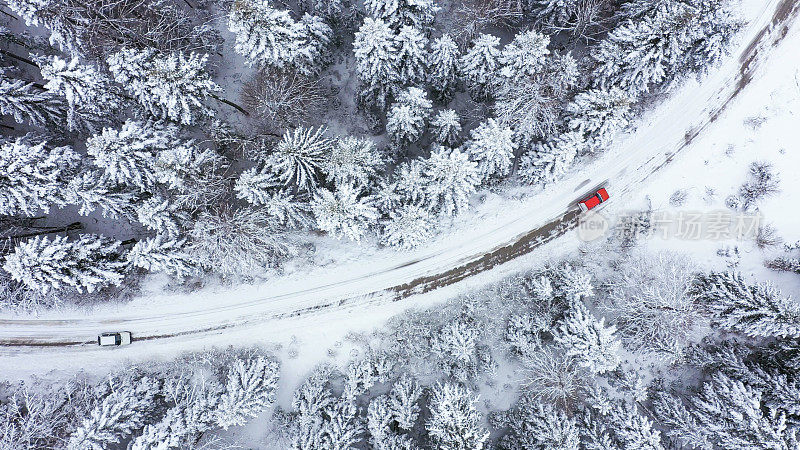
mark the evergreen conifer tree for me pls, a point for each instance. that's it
(443, 67)
(173, 86)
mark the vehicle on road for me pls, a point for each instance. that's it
(114, 339)
(595, 199)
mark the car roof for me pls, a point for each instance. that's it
(591, 201)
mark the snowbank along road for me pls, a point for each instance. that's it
(523, 227)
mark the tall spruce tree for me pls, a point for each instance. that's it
(443, 67)
(34, 177)
(173, 86)
(378, 65)
(89, 263)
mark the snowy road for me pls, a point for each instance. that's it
(365, 284)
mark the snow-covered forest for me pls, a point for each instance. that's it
(188, 146)
(625, 349)
(201, 138)
(169, 405)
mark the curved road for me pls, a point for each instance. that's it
(526, 225)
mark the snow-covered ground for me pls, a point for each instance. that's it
(761, 125)
(318, 307)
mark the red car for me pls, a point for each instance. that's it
(590, 202)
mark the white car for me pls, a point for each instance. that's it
(114, 339)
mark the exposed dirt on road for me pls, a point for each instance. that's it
(499, 256)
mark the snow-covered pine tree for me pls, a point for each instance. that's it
(408, 226)
(89, 263)
(34, 177)
(162, 254)
(313, 52)
(162, 216)
(416, 98)
(547, 162)
(456, 348)
(250, 389)
(757, 310)
(403, 402)
(27, 103)
(344, 429)
(117, 415)
(410, 182)
(128, 155)
(386, 196)
(261, 188)
(80, 84)
(637, 55)
(492, 147)
(321, 420)
(377, 63)
(664, 40)
(633, 430)
(147, 154)
(335, 12)
(180, 426)
(455, 422)
(678, 422)
(554, 12)
(172, 86)
(344, 212)
(533, 86)
(446, 127)
(256, 186)
(720, 21)
(407, 117)
(192, 396)
(411, 55)
(91, 191)
(599, 114)
(540, 288)
(184, 167)
(265, 35)
(286, 209)
(450, 178)
(525, 56)
(359, 378)
(90, 94)
(443, 67)
(396, 13)
(536, 425)
(379, 419)
(574, 283)
(353, 160)
(310, 401)
(480, 66)
(589, 340)
(298, 157)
